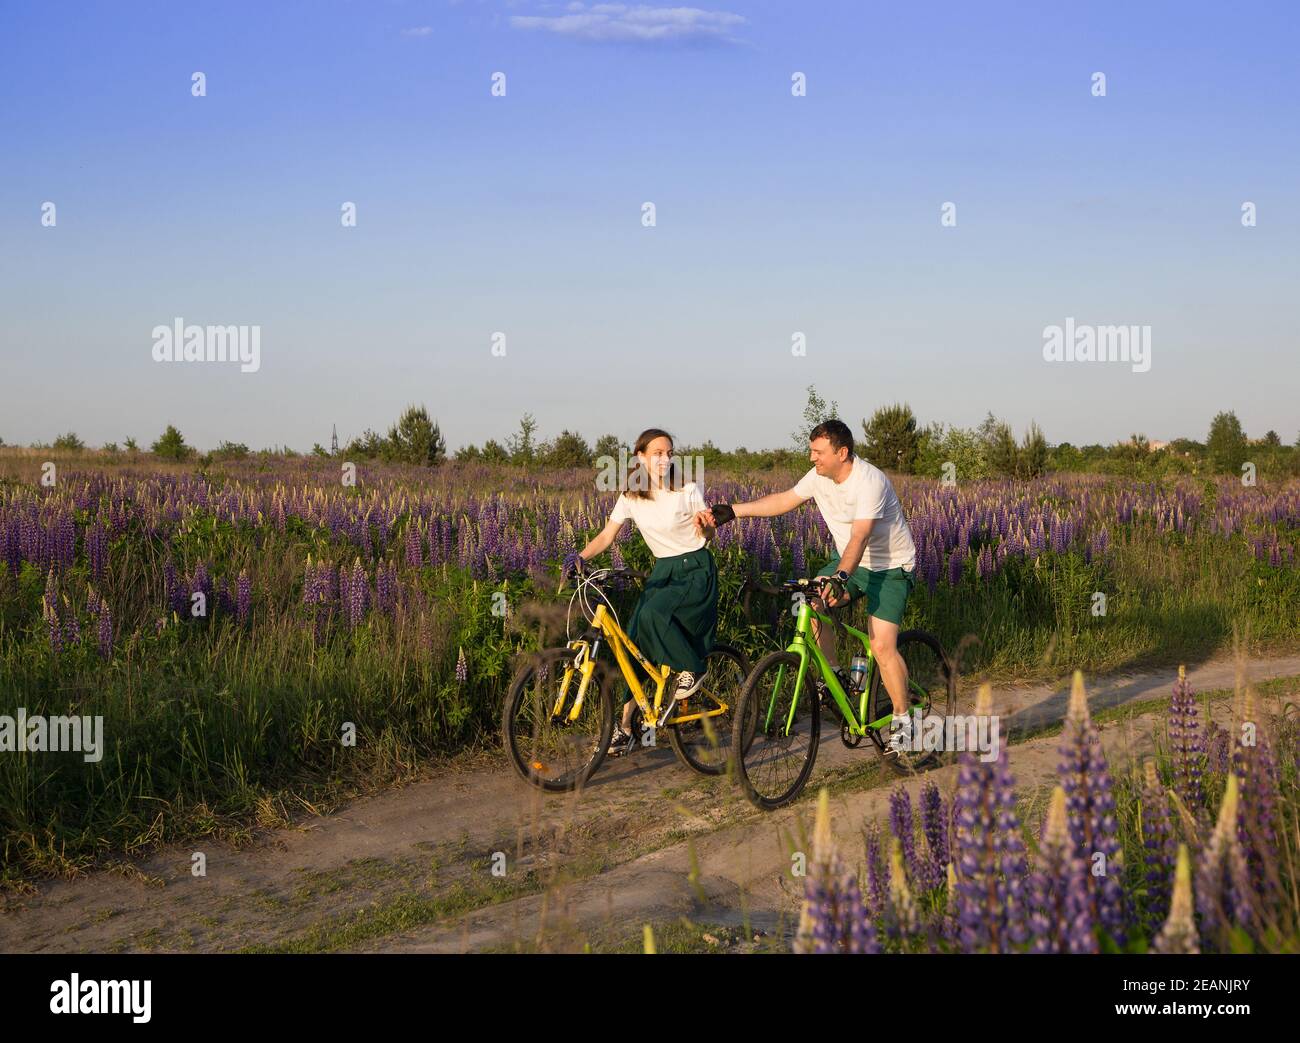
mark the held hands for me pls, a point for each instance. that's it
(713, 517)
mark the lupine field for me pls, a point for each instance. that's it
(1196, 850)
(228, 624)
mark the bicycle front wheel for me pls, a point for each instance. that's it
(546, 748)
(776, 731)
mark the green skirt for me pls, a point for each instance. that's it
(676, 621)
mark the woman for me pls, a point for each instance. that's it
(676, 620)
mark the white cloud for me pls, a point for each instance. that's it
(419, 30)
(640, 23)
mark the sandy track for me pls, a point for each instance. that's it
(409, 870)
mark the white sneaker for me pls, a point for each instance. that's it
(688, 683)
(900, 736)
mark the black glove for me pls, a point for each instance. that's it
(722, 513)
(575, 567)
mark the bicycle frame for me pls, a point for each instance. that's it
(625, 652)
(856, 722)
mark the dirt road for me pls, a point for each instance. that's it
(412, 870)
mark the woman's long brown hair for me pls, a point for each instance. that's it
(638, 482)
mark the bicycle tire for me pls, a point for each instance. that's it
(528, 753)
(765, 741)
(691, 741)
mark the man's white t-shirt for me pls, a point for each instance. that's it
(865, 493)
(666, 520)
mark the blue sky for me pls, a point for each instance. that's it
(522, 214)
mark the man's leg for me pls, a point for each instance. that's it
(893, 670)
(825, 635)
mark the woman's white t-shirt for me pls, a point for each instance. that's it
(666, 520)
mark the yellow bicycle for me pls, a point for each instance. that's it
(558, 717)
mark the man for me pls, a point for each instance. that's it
(877, 558)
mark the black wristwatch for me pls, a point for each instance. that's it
(842, 576)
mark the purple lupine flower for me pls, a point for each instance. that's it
(462, 668)
(900, 821)
(50, 611)
(934, 825)
(833, 918)
(1186, 743)
(1256, 769)
(358, 594)
(201, 582)
(97, 550)
(71, 628)
(989, 851)
(1223, 893)
(877, 882)
(345, 591)
(244, 597)
(105, 631)
(176, 594)
(1090, 802)
(414, 545)
(1158, 842)
(1178, 936)
(1218, 749)
(1060, 913)
(385, 589)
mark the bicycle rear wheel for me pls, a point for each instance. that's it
(704, 744)
(552, 752)
(784, 720)
(932, 689)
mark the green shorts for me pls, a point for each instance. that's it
(886, 591)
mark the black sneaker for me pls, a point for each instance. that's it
(619, 743)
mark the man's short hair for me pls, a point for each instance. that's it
(836, 432)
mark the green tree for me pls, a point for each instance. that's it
(131, 447)
(815, 410)
(1226, 444)
(171, 445)
(568, 450)
(1272, 439)
(891, 438)
(961, 447)
(607, 445)
(522, 446)
(368, 446)
(69, 441)
(416, 439)
(1000, 450)
(495, 453)
(230, 451)
(1033, 452)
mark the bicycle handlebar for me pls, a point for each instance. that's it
(789, 586)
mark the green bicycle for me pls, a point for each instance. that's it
(780, 708)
